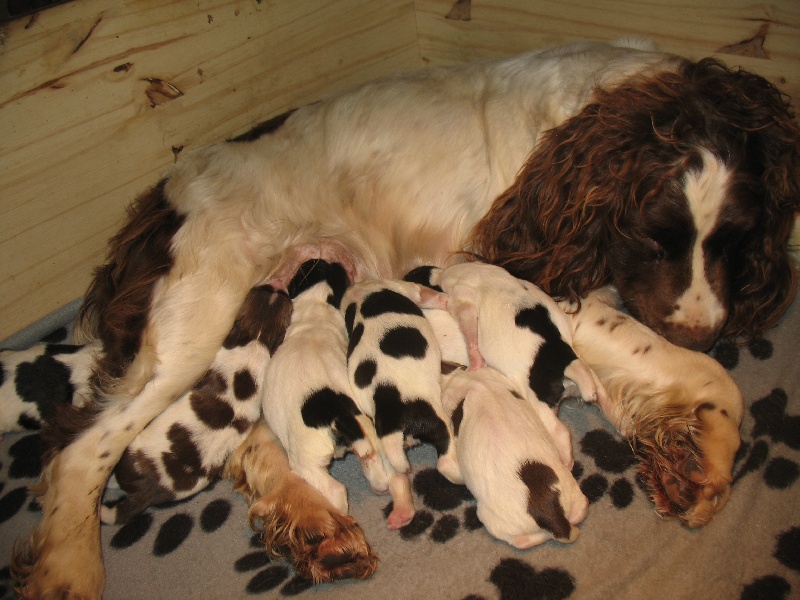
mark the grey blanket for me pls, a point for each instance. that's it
(203, 547)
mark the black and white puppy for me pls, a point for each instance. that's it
(185, 448)
(525, 494)
(394, 365)
(34, 381)
(512, 325)
(307, 401)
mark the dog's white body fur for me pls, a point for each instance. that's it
(388, 176)
(312, 357)
(497, 433)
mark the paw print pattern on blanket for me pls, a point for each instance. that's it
(442, 500)
(727, 353)
(613, 456)
(269, 575)
(772, 424)
(174, 531)
(517, 579)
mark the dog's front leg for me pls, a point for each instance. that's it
(680, 409)
(63, 557)
(296, 520)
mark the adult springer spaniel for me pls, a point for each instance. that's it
(576, 168)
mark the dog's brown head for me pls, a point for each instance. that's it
(679, 188)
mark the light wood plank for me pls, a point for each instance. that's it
(693, 29)
(84, 129)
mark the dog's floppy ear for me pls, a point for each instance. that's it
(555, 224)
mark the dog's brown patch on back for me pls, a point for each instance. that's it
(207, 404)
(244, 385)
(543, 500)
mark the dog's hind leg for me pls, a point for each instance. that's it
(64, 554)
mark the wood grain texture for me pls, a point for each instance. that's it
(98, 97)
(762, 37)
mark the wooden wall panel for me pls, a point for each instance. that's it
(97, 97)
(762, 37)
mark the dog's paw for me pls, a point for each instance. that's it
(323, 544)
(687, 451)
(43, 570)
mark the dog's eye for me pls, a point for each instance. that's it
(653, 250)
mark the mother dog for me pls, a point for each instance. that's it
(575, 167)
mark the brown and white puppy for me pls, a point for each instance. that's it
(660, 396)
(394, 365)
(185, 448)
(307, 398)
(576, 167)
(525, 494)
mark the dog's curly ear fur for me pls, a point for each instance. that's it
(555, 224)
(539, 229)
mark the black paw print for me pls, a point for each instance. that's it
(438, 495)
(727, 353)
(612, 456)
(517, 579)
(771, 422)
(174, 531)
(269, 574)
(787, 552)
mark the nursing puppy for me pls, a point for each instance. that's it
(525, 494)
(185, 448)
(512, 325)
(307, 401)
(394, 365)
